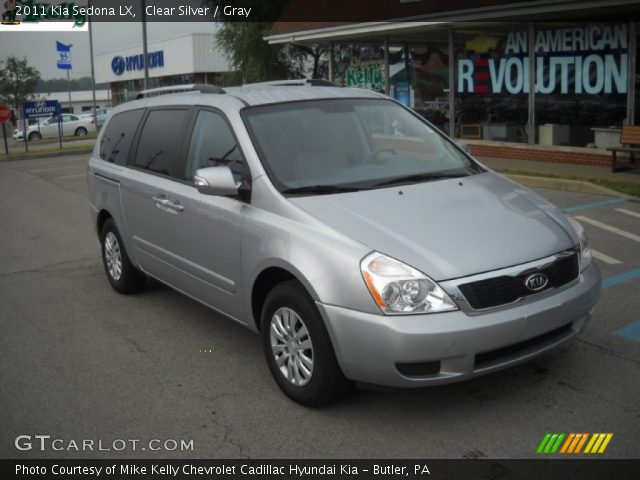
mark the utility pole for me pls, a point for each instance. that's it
(145, 50)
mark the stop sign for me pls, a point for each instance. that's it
(5, 113)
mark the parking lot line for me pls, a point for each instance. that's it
(49, 169)
(620, 278)
(84, 174)
(631, 331)
(605, 258)
(628, 212)
(601, 203)
(609, 228)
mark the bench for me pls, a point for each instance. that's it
(630, 141)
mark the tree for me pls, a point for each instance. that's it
(18, 80)
(254, 59)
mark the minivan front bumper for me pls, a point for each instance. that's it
(447, 347)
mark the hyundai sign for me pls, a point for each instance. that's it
(132, 63)
(46, 108)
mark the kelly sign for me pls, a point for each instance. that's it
(591, 60)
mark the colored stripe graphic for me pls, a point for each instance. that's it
(550, 443)
(573, 443)
(576, 443)
(598, 442)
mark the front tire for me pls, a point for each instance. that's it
(34, 136)
(298, 348)
(122, 275)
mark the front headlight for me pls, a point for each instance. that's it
(398, 288)
(585, 251)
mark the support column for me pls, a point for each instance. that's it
(631, 74)
(387, 83)
(532, 84)
(452, 87)
(331, 60)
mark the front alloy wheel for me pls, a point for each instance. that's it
(291, 346)
(298, 348)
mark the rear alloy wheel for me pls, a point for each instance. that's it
(121, 273)
(34, 136)
(298, 349)
(81, 132)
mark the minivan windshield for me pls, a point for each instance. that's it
(344, 145)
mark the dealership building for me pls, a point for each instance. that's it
(467, 66)
(192, 58)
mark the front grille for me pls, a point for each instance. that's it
(506, 289)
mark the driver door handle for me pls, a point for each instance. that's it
(163, 203)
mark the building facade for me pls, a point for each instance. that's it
(503, 75)
(192, 58)
(81, 101)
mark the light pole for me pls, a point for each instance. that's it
(69, 84)
(93, 74)
(145, 51)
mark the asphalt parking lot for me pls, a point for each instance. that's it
(81, 362)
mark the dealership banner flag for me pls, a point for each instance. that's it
(64, 56)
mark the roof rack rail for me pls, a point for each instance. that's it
(195, 87)
(303, 82)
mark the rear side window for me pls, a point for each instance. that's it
(117, 138)
(160, 141)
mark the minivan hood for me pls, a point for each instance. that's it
(448, 228)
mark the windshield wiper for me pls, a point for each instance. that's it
(320, 189)
(420, 177)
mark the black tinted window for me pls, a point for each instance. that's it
(160, 141)
(117, 138)
(212, 145)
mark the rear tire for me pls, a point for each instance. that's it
(298, 348)
(81, 132)
(122, 275)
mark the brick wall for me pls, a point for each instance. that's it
(541, 154)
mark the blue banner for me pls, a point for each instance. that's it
(64, 56)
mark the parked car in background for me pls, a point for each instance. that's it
(101, 115)
(71, 125)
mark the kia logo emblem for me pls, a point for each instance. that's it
(117, 65)
(536, 281)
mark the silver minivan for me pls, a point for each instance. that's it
(361, 242)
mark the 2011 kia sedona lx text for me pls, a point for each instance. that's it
(358, 240)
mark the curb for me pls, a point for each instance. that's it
(45, 154)
(578, 186)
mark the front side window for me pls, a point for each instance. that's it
(160, 141)
(213, 144)
(115, 142)
(348, 144)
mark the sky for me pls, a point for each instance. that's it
(40, 47)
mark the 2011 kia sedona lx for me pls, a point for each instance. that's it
(358, 240)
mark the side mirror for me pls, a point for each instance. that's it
(217, 181)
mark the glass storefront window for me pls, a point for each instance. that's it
(492, 82)
(360, 66)
(429, 70)
(581, 82)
